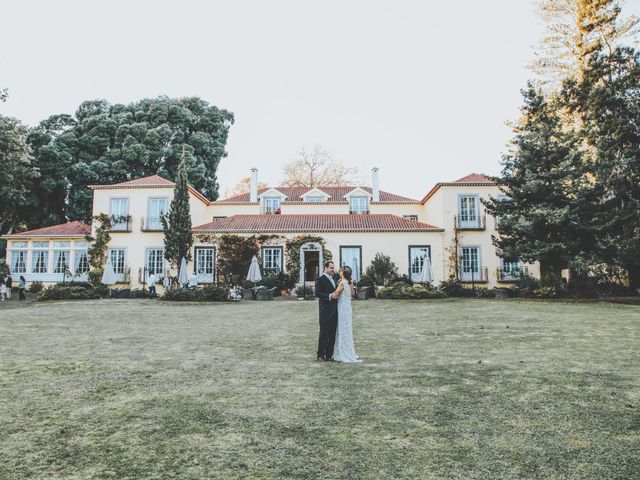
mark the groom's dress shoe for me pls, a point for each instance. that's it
(320, 359)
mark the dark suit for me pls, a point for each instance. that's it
(328, 316)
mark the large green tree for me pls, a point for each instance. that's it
(18, 175)
(178, 237)
(104, 143)
(543, 178)
(608, 100)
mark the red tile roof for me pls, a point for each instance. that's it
(471, 180)
(153, 181)
(70, 229)
(314, 223)
(294, 194)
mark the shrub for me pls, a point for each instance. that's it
(382, 270)
(35, 287)
(366, 281)
(404, 279)
(279, 280)
(68, 292)
(299, 290)
(547, 292)
(610, 289)
(527, 281)
(95, 276)
(210, 293)
(455, 288)
(402, 290)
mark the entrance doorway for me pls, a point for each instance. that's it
(311, 266)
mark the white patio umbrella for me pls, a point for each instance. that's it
(182, 275)
(109, 276)
(427, 271)
(254, 271)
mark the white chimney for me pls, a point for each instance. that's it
(253, 192)
(375, 184)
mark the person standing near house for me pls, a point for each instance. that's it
(9, 285)
(328, 312)
(193, 281)
(21, 286)
(152, 285)
(3, 290)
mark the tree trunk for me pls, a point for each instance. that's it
(550, 275)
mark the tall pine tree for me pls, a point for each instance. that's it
(178, 237)
(543, 178)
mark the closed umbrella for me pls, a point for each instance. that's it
(254, 271)
(427, 271)
(182, 275)
(109, 276)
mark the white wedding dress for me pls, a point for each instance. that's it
(344, 350)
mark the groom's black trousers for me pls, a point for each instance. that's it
(328, 311)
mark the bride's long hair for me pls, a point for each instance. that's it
(346, 273)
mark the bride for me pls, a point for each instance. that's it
(344, 350)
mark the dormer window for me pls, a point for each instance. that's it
(359, 204)
(315, 195)
(271, 205)
(314, 199)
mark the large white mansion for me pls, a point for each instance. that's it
(448, 225)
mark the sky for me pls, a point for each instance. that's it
(420, 89)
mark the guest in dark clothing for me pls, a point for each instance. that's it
(9, 285)
(21, 286)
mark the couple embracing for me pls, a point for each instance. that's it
(335, 342)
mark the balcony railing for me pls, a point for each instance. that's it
(478, 223)
(151, 224)
(270, 211)
(120, 224)
(510, 276)
(481, 275)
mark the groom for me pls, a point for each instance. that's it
(328, 302)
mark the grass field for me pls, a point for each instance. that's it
(460, 389)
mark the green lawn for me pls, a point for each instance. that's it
(464, 389)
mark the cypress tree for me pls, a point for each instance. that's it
(178, 237)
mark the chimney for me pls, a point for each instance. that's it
(375, 184)
(253, 189)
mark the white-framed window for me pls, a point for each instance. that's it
(205, 264)
(510, 269)
(468, 211)
(18, 261)
(359, 204)
(119, 211)
(470, 264)
(61, 260)
(271, 204)
(314, 199)
(272, 258)
(81, 263)
(157, 208)
(411, 217)
(40, 257)
(155, 261)
(351, 256)
(417, 256)
(116, 257)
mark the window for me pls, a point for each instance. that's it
(40, 257)
(271, 204)
(411, 217)
(157, 208)
(61, 261)
(417, 256)
(467, 211)
(155, 261)
(470, 264)
(511, 269)
(272, 259)
(81, 262)
(351, 256)
(119, 214)
(18, 261)
(359, 204)
(205, 264)
(116, 257)
(314, 199)
(19, 257)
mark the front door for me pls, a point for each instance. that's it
(416, 261)
(205, 264)
(311, 265)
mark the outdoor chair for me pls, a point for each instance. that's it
(265, 293)
(248, 294)
(363, 292)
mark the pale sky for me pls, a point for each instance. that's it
(418, 88)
